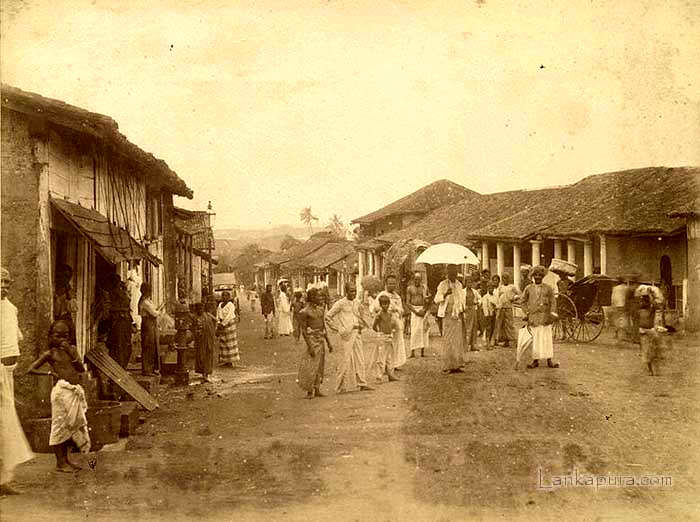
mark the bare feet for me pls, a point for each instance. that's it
(318, 393)
(309, 395)
(73, 465)
(64, 468)
(366, 388)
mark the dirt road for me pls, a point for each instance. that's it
(488, 444)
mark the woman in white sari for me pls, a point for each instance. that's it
(284, 310)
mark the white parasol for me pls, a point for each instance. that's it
(448, 254)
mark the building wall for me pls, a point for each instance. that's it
(643, 255)
(21, 175)
(693, 234)
(389, 224)
(197, 279)
(170, 265)
(80, 171)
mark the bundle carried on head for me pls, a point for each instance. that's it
(372, 283)
(559, 267)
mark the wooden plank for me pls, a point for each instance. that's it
(100, 358)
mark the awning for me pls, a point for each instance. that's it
(112, 242)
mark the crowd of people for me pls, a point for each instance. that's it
(471, 313)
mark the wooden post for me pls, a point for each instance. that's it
(535, 247)
(603, 255)
(571, 251)
(557, 249)
(587, 257)
(516, 265)
(360, 271)
(500, 261)
(484, 255)
(44, 269)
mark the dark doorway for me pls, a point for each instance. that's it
(666, 279)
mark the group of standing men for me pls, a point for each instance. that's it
(375, 320)
(459, 306)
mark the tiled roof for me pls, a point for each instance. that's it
(624, 202)
(248, 260)
(298, 251)
(325, 256)
(98, 125)
(691, 208)
(196, 224)
(430, 197)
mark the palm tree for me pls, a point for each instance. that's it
(337, 226)
(307, 218)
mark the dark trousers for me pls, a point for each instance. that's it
(119, 340)
(150, 360)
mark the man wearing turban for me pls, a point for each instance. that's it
(540, 308)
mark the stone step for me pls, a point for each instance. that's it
(129, 418)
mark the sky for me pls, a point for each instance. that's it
(267, 107)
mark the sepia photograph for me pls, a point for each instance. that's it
(350, 260)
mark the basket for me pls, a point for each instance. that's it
(559, 266)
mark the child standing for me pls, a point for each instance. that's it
(68, 403)
(205, 341)
(488, 309)
(386, 324)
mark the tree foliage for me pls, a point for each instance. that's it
(337, 227)
(307, 217)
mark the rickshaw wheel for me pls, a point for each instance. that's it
(589, 327)
(565, 327)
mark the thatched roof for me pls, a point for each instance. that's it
(430, 197)
(96, 125)
(625, 202)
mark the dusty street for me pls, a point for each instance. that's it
(483, 445)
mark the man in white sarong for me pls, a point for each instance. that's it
(416, 295)
(344, 319)
(540, 308)
(396, 307)
(15, 448)
(284, 312)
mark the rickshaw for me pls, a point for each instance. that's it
(580, 308)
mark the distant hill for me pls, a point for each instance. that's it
(255, 235)
(235, 246)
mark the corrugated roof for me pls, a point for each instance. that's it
(430, 197)
(98, 125)
(631, 201)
